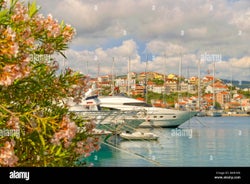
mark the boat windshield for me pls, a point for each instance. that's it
(137, 104)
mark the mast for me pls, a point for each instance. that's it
(164, 84)
(87, 68)
(146, 81)
(199, 84)
(213, 83)
(179, 81)
(98, 69)
(128, 78)
(230, 98)
(113, 80)
(98, 75)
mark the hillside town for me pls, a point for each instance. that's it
(187, 93)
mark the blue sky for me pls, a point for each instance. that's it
(166, 29)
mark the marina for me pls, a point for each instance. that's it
(113, 84)
(201, 141)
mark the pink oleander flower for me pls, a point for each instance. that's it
(13, 122)
(8, 47)
(7, 155)
(20, 13)
(66, 133)
(3, 4)
(11, 72)
(90, 126)
(86, 147)
(68, 33)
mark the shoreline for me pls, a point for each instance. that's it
(236, 115)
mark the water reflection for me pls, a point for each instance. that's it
(220, 141)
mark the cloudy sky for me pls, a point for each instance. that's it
(163, 32)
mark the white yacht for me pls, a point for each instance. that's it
(154, 116)
(109, 120)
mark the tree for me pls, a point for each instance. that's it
(36, 127)
(217, 105)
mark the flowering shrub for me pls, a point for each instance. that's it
(36, 128)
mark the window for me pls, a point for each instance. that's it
(138, 104)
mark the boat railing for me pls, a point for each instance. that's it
(111, 116)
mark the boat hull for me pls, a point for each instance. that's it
(171, 122)
(139, 136)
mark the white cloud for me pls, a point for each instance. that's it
(197, 32)
(122, 28)
(242, 63)
(242, 20)
(165, 48)
(128, 48)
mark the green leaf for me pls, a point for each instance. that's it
(58, 151)
(32, 142)
(52, 149)
(3, 16)
(12, 4)
(42, 140)
(62, 24)
(3, 13)
(32, 9)
(63, 54)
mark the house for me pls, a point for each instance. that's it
(223, 97)
(216, 88)
(193, 80)
(171, 85)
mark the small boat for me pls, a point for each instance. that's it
(214, 112)
(201, 114)
(101, 132)
(139, 136)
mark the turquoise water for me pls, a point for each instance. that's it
(201, 141)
